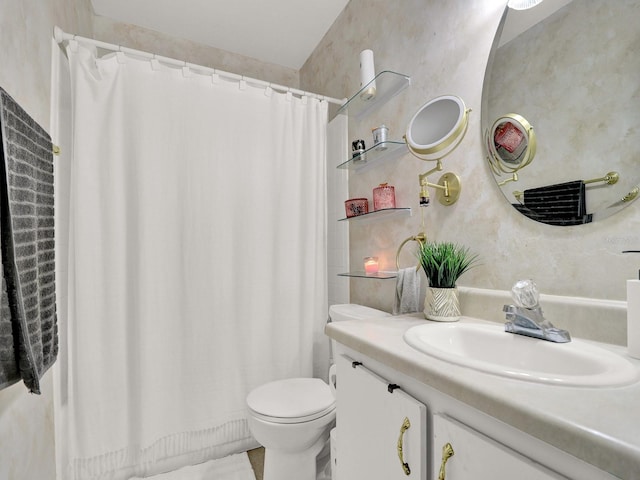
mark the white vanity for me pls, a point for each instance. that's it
(399, 408)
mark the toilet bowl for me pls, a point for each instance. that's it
(292, 418)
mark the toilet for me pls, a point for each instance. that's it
(292, 418)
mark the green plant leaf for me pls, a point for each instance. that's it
(445, 262)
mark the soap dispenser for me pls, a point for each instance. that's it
(633, 314)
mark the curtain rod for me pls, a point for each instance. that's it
(60, 36)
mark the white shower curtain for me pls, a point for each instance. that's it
(197, 261)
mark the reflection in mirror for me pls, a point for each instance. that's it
(511, 143)
(574, 76)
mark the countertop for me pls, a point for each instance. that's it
(598, 425)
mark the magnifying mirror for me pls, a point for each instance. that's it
(434, 132)
(437, 128)
(511, 144)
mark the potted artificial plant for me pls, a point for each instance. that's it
(443, 263)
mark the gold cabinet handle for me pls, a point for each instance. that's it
(447, 452)
(405, 426)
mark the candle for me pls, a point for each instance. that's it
(367, 75)
(371, 265)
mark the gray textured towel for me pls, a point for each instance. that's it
(9, 373)
(28, 327)
(407, 291)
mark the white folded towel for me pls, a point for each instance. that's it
(407, 291)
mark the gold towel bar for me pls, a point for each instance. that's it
(610, 178)
(421, 238)
(56, 150)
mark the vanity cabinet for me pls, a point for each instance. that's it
(371, 411)
(381, 429)
(466, 454)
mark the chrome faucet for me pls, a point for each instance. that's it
(526, 317)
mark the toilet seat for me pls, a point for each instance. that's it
(294, 400)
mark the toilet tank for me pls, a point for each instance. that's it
(351, 311)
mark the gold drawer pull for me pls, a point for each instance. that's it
(405, 426)
(447, 452)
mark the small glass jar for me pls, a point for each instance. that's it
(380, 134)
(384, 196)
(356, 206)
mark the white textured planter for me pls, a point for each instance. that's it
(442, 304)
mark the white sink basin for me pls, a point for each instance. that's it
(488, 348)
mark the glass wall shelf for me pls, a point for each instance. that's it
(380, 275)
(388, 85)
(379, 214)
(380, 151)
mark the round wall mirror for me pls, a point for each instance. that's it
(437, 128)
(570, 70)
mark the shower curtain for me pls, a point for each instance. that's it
(197, 261)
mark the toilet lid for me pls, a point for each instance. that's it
(297, 399)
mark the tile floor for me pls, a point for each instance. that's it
(256, 457)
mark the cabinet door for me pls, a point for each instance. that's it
(478, 457)
(381, 431)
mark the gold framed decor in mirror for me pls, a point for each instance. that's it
(562, 86)
(511, 143)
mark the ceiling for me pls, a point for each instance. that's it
(282, 32)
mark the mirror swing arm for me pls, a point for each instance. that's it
(433, 133)
(448, 185)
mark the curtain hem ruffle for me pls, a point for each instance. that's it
(166, 454)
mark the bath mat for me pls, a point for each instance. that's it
(233, 467)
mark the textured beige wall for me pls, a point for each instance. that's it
(151, 41)
(26, 31)
(444, 47)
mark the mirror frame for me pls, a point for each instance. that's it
(429, 115)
